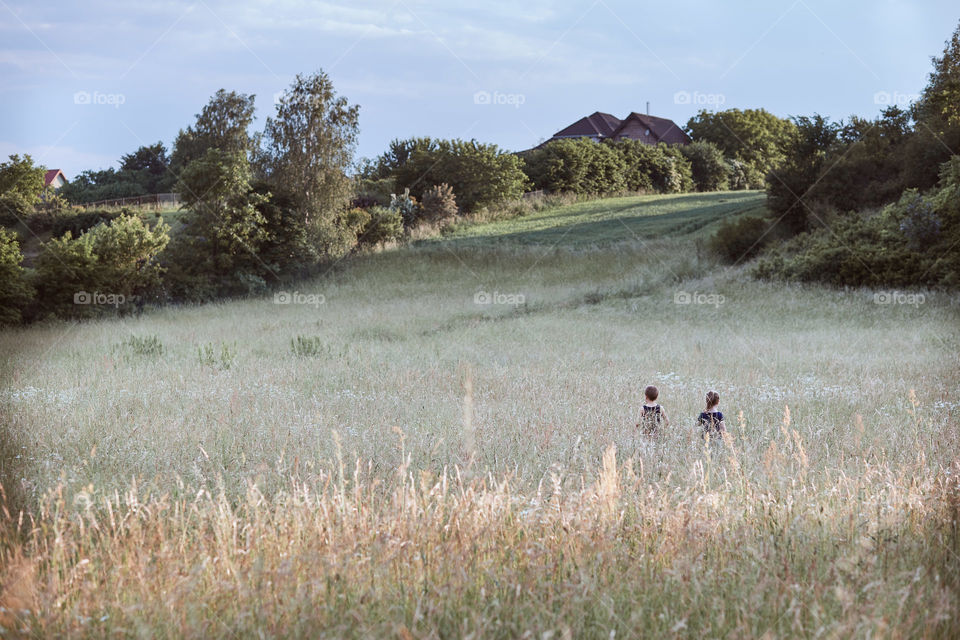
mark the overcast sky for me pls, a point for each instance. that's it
(84, 83)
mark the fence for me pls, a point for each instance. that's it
(152, 201)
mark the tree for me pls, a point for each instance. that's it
(707, 165)
(105, 184)
(223, 124)
(939, 103)
(479, 174)
(788, 187)
(753, 136)
(224, 229)
(15, 292)
(20, 181)
(308, 148)
(937, 115)
(151, 166)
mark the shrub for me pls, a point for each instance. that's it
(670, 171)
(875, 250)
(406, 205)
(117, 260)
(741, 239)
(373, 192)
(146, 346)
(15, 292)
(920, 225)
(738, 175)
(383, 225)
(308, 346)
(707, 166)
(223, 358)
(439, 204)
(585, 167)
(14, 210)
(64, 271)
(480, 175)
(78, 222)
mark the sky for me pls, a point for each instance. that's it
(81, 84)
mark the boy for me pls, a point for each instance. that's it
(653, 414)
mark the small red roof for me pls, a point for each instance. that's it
(51, 175)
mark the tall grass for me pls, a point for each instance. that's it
(444, 467)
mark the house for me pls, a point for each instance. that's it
(636, 126)
(54, 179)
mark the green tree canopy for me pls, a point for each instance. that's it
(223, 124)
(308, 148)
(755, 137)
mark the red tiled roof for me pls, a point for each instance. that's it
(51, 175)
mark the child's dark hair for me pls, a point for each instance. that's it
(651, 393)
(713, 399)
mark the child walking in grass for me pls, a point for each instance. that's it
(652, 415)
(711, 420)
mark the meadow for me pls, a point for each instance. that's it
(438, 440)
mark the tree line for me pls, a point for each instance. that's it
(877, 197)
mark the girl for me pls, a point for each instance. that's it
(711, 420)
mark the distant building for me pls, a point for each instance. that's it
(636, 126)
(54, 179)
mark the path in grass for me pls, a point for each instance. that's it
(608, 221)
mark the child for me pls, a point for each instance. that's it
(711, 420)
(653, 414)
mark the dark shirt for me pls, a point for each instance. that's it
(650, 419)
(710, 421)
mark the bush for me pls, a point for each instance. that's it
(406, 206)
(208, 355)
(383, 225)
(480, 175)
(585, 167)
(439, 204)
(308, 346)
(741, 239)
(146, 346)
(14, 210)
(911, 243)
(116, 261)
(78, 222)
(64, 272)
(707, 166)
(920, 225)
(373, 192)
(15, 292)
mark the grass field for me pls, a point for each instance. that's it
(439, 441)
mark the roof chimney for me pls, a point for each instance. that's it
(648, 107)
